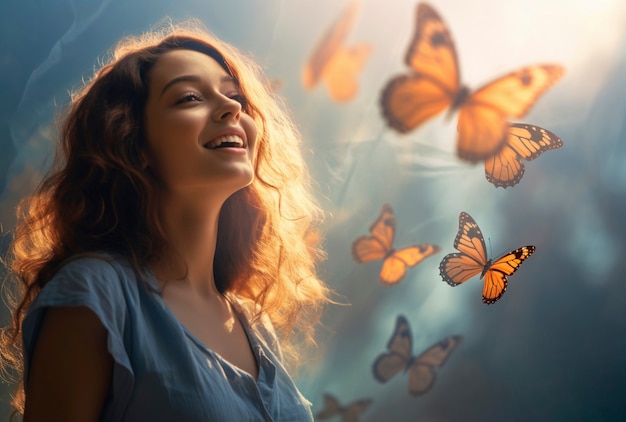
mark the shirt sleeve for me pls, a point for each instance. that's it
(96, 284)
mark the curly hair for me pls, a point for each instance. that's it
(96, 197)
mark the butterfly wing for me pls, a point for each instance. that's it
(456, 268)
(341, 72)
(506, 168)
(329, 45)
(409, 100)
(421, 372)
(483, 114)
(432, 52)
(352, 412)
(378, 245)
(495, 279)
(400, 348)
(331, 407)
(395, 265)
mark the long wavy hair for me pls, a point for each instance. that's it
(96, 197)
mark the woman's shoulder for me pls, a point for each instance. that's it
(92, 261)
(95, 266)
(100, 282)
(90, 277)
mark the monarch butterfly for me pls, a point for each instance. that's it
(334, 63)
(420, 368)
(457, 268)
(380, 246)
(349, 413)
(523, 141)
(434, 85)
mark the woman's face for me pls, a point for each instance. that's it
(200, 138)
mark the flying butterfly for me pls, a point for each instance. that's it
(433, 85)
(421, 369)
(333, 62)
(379, 246)
(349, 413)
(523, 141)
(457, 268)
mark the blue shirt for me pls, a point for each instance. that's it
(161, 372)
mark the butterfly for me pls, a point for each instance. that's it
(523, 141)
(457, 268)
(349, 413)
(337, 65)
(380, 246)
(433, 85)
(421, 368)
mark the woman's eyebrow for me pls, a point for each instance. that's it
(229, 79)
(196, 79)
(178, 79)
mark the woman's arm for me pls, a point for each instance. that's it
(70, 370)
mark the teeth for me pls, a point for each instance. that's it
(233, 140)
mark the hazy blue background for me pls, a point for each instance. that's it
(554, 347)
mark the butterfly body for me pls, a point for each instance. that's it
(460, 98)
(379, 246)
(400, 358)
(433, 85)
(409, 364)
(471, 260)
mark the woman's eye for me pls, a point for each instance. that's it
(189, 97)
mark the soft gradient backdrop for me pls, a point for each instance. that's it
(554, 347)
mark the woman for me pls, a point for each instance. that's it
(168, 259)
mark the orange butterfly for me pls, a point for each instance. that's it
(434, 85)
(420, 368)
(523, 141)
(457, 268)
(380, 246)
(349, 413)
(337, 65)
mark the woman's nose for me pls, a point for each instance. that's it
(227, 108)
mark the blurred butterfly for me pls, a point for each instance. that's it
(400, 357)
(523, 141)
(457, 268)
(349, 413)
(337, 65)
(380, 246)
(433, 85)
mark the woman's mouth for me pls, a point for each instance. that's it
(227, 141)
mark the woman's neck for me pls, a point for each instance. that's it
(191, 230)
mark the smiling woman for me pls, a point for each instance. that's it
(167, 263)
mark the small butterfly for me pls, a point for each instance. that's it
(433, 85)
(400, 357)
(380, 246)
(523, 141)
(337, 65)
(349, 413)
(457, 268)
